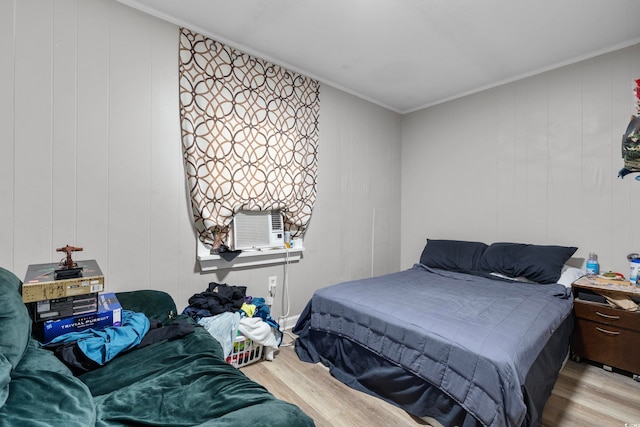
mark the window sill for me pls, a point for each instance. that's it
(253, 258)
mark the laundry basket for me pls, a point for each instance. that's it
(244, 352)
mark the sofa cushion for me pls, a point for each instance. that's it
(156, 305)
(43, 392)
(15, 327)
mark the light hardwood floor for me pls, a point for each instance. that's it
(584, 395)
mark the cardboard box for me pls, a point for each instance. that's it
(109, 314)
(39, 283)
(52, 309)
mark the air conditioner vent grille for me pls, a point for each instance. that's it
(276, 221)
(257, 230)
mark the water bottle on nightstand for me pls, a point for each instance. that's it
(593, 267)
(634, 277)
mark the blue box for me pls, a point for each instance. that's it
(109, 314)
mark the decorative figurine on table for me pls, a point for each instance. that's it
(68, 269)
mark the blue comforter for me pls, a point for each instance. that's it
(475, 338)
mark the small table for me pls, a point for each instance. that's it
(603, 333)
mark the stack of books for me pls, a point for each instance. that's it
(72, 304)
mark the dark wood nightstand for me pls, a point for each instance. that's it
(602, 333)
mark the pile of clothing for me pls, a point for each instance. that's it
(225, 310)
(90, 349)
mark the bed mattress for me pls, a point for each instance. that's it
(473, 340)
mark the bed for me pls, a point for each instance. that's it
(472, 335)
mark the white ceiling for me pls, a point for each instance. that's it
(408, 54)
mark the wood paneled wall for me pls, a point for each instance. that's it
(533, 161)
(90, 155)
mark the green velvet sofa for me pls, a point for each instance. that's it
(183, 382)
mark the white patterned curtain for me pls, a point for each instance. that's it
(249, 136)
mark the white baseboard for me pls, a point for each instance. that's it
(287, 323)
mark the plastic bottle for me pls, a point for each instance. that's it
(592, 264)
(635, 271)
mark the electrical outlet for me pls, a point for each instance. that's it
(273, 283)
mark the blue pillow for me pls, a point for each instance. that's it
(538, 263)
(454, 255)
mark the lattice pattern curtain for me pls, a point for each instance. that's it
(249, 136)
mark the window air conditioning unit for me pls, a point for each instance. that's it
(258, 230)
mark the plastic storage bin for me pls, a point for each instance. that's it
(244, 352)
